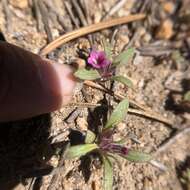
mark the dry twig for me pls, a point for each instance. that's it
(151, 115)
(38, 15)
(155, 50)
(143, 7)
(158, 165)
(119, 96)
(147, 112)
(73, 19)
(178, 135)
(117, 6)
(79, 12)
(7, 15)
(56, 11)
(73, 115)
(86, 10)
(44, 13)
(82, 105)
(89, 29)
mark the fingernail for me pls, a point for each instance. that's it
(58, 80)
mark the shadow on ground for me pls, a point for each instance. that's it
(24, 149)
(96, 119)
(183, 171)
(181, 106)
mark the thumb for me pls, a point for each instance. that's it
(30, 85)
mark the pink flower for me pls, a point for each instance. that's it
(114, 148)
(98, 60)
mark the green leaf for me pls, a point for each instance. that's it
(90, 137)
(177, 57)
(124, 57)
(107, 49)
(114, 158)
(80, 150)
(187, 96)
(108, 174)
(118, 114)
(123, 80)
(136, 156)
(85, 74)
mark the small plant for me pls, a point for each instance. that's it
(108, 149)
(101, 65)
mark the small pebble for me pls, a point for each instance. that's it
(169, 7)
(165, 31)
(82, 124)
(138, 60)
(147, 37)
(121, 126)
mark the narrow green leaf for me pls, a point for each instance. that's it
(80, 150)
(114, 158)
(123, 80)
(136, 156)
(187, 96)
(90, 137)
(108, 174)
(118, 114)
(85, 74)
(107, 49)
(124, 57)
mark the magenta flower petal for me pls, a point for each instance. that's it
(98, 60)
(114, 148)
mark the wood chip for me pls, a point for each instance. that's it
(21, 4)
(165, 30)
(169, 7)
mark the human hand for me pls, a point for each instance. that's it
(29, 85)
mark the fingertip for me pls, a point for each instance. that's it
(35, 85)
(66, 80)
(59, 83)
